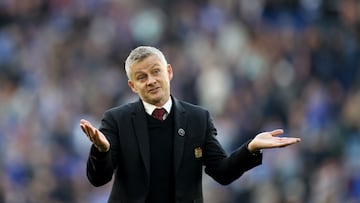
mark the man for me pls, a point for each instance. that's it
(160, 160)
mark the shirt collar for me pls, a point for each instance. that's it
(149, 108)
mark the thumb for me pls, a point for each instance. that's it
(277, 132)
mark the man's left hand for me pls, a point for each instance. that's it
(270, 139)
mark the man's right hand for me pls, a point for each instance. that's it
(95, 136)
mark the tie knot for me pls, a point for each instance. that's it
(159, 113)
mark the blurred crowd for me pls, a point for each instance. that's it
(254, 64)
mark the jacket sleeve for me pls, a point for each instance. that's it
(101, 165)
(221, 167)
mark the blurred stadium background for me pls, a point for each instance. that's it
(255, 64)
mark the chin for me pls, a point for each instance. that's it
(156, 100)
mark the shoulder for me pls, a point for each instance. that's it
(190, 108)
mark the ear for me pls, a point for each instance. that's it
(132, 86)
(169, 70)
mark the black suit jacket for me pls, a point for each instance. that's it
(195, 146)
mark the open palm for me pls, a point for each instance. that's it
(95, 136)
(270, 139)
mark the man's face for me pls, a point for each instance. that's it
(150, 79)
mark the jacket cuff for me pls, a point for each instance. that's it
(96, 154)
(256, 153)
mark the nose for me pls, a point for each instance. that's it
(151, 80)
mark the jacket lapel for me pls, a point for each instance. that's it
(141, 132)
(180, 133)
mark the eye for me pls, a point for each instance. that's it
(141, 77)
(156, 71)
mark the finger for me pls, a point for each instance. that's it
(95, 133)
(91, 127)
(83, 124)
(83, 121)
(86, 123)
(85, 130)
(88, 130)
(289, 141)
(285, 144)
(277, 132)
(82, 128)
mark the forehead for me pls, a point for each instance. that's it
(147, 63)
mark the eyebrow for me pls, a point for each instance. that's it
(155, 64)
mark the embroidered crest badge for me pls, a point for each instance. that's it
(198, 152)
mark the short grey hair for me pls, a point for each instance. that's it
(139, 54)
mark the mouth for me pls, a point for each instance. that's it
(153, 90)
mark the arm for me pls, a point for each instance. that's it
(221, 167)
(99, 166)
(225, 169)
